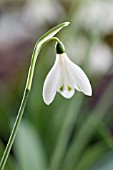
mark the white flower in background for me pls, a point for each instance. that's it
(65, 77)
(101, 59)
(95, 15)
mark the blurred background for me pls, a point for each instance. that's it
(74, 134)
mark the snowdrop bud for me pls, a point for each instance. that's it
(60, 49)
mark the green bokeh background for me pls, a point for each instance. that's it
(75, 134)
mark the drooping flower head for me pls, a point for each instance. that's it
(65, 77)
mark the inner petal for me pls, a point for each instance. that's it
(66, 83)
(67, 93)
(68, 78)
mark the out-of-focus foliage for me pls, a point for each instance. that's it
(75, 134)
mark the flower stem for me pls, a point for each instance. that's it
(14, 131)
(24, 100)
(23, 103)
(40, 43)
(22, 107)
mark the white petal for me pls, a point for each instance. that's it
(76, 87)
(51, 83)
(66, 79)
(81, 80)
(66, 74)
(67, 94)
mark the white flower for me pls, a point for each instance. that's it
(65, 77)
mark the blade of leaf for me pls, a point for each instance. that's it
(29, 149)
(91, 155)
(66, 129)
(88, 128)
(105, 163)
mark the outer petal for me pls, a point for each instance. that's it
(51, 83)
(80, 77)
(76, 87)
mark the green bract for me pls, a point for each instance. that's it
(45, 38)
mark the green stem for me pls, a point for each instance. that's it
(40, 43)
(24, 101)
(34, 58)
(22, 107)
(14, 131)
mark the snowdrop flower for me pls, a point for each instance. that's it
(65, 77)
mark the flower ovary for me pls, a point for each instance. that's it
(60, 49)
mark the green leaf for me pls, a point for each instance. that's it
(91, 155)
(105, 163)
(29, 149)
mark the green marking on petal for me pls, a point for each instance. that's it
(69, 88)
(62, 88)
